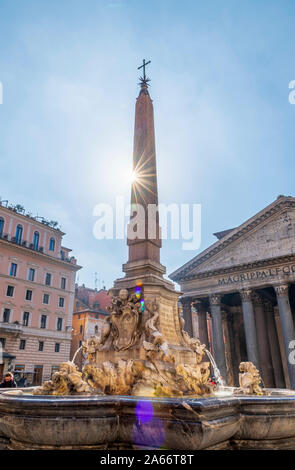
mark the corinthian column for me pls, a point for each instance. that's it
(274, 345)
(263, 343)
(218, 341)
(202, 322)
(250, 327)
(287, 326)
(187, 314)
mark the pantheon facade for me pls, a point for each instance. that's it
(242, 291)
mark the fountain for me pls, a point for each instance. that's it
(143, 399)
(145, 384)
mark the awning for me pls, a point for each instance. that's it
(7, 355)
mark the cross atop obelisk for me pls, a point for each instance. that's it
(144, 79)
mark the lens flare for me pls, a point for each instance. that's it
(144, 411)
(148, 429)
(137, 291)
(134, 177)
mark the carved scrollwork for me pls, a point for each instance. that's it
(246, 295)
(215, 299)
(156, 373)
(281, 290)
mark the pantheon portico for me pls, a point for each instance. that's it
(242, 290)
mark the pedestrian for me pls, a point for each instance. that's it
(8, 381)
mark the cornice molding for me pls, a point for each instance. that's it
(37, 254)
(269, 262)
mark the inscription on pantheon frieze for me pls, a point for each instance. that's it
(257, 275)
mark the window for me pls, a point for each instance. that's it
(6, 315)
(59, 324)
(41, 345)
(13, 268)
(22, 344)
(54, 369)
(96, 316)
(18, 234)
(56, 347)
(81, 329)
(46, 299)
(29, 294)
(62, 254)
(63, 283)
(61, 302)
(31, 274)
(96, 329)
(1, 226)
(26, 316)
(36, 241)
(80, 344)
(48, 279)
(43, 321)
(2, 342)
(51, 244)
(10, 290)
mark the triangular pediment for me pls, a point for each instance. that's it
(269, 234)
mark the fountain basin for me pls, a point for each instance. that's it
(124, 422)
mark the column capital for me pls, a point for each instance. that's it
(246, 295)
(185, 301)
(199, 306)
(281, 290)
(215, 299)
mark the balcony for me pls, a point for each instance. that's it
(12, 328)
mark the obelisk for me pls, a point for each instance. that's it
(143, 266)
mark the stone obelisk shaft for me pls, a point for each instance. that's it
(144, 191)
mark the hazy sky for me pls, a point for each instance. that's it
(224, 126)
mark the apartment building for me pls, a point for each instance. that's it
(37, 288)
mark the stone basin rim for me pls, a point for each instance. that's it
(32, 421)
(210, 401)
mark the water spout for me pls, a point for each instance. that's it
(216, 371)
(74, 357)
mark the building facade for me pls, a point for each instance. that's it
(37, 286)
(243, 290)
(90, 311)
